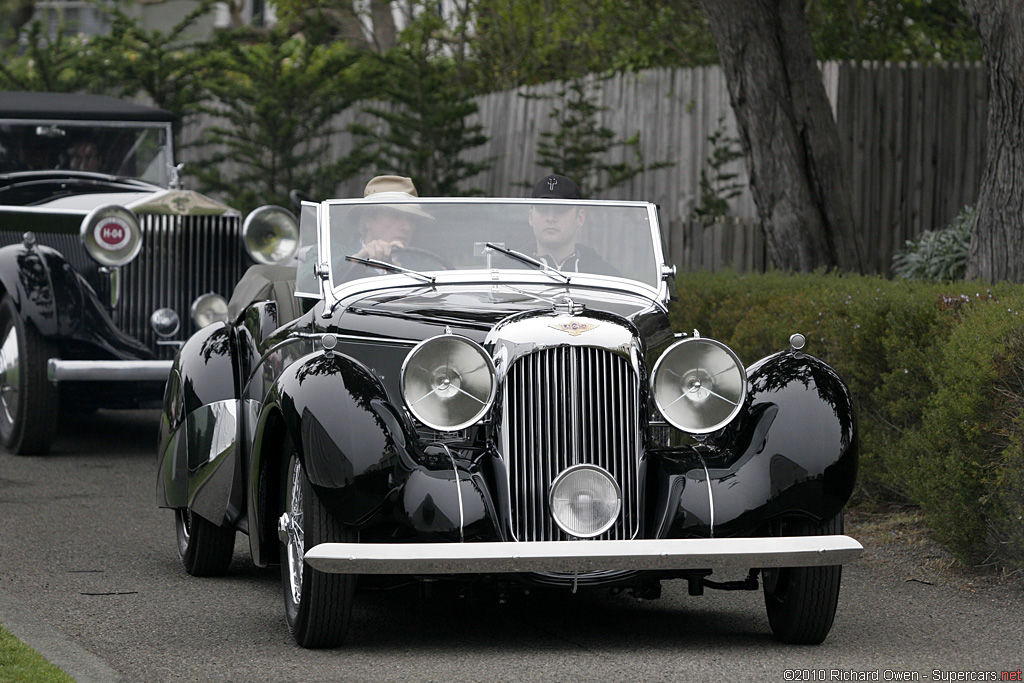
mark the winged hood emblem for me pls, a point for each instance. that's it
(573, 327)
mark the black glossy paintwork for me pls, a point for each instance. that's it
(792, 451)
(58, 301)
(202, 374)
(206, 367)
(423, 312)
(414, 314)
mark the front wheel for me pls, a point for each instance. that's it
(318, 605)
(29, 402)
(205, 549)
(801, 601)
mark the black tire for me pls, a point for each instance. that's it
(29, 402)
(318, 605)
(204, 548)
(801, 601)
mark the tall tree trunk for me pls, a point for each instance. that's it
(384, 34)
(997, 246)
(787, 132)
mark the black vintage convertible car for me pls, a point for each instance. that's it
(502, 399)
(107, 264)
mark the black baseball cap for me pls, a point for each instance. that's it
(554, 186)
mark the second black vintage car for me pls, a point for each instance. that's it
(106, 263)
(500, 398)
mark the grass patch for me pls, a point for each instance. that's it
(21, 664)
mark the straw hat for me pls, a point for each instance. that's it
(395, 187)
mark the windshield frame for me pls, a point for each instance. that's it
(334, 291)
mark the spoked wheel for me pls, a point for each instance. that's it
(205, 549)
(29, 402)
(801, 601)
(318, 605)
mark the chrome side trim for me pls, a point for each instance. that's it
(582, 556)
(58, 370)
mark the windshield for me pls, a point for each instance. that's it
(432, 236)
(129, 150)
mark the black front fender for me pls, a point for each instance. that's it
(327, 404)
(50, 294)
(792, 452)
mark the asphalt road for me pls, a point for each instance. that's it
(89, 576)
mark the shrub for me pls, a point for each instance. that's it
(933, 371)
(938, 254)
(962, 463)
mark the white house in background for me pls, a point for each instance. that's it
(82, 16)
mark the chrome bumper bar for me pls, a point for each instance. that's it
(582, 556)
(58, 370)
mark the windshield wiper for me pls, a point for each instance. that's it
(391, 267)
(553, 273)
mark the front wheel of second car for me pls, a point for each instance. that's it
(318, 605)
(29, 402)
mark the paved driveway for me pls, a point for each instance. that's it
(89, 576)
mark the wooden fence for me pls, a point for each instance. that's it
(913, 139)
(696, 244)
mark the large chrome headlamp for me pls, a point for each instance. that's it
(448, 382)
(111, 235)
(208, 309)
(271, 234)
(699, 385)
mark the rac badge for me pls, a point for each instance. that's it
(573, 327)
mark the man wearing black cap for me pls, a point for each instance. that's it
(555, 227)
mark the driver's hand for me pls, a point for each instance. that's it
(380, 250)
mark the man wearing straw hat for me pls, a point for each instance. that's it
(384, 228)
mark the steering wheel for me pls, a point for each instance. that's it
(437, 258)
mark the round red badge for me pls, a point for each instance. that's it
(112, 233)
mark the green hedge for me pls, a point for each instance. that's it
(937, 376)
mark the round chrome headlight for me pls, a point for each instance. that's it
(448, 382)
(208, 309)
(585, 501)
(111, 235)
(699, 385)
(271, 234)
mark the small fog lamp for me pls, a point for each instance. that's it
(165, 322)
(585, 501)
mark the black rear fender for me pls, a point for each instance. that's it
(199, 465)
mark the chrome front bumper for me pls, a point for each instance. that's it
(59, 370)
(582, 556)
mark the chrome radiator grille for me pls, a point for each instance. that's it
(565, 406)
(181, 258)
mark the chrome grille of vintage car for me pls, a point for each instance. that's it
(564, 406)
(182, 257)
